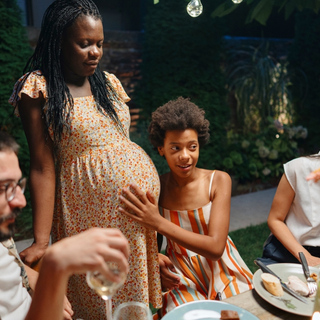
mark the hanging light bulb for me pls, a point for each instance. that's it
(237, 1)
(194, 8)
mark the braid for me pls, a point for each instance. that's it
(60, 15)
(101, 88)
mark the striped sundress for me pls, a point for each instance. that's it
(202, 278)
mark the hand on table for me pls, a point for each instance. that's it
(169, 280)
(144, 207)
(32, 255)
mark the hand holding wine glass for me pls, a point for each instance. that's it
(88, 250)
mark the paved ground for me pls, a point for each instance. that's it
(248, 209)
(21, 245)
(251, 208)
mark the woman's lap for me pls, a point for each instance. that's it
(275, 252)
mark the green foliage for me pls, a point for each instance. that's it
(305, 54)
(260, 156)
(182, 58)
(249, 242)
(261, 9)
(14, 52)
(260, 84)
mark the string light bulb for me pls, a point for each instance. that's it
(237, 1)
(194, 8)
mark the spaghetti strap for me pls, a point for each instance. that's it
(210, 186)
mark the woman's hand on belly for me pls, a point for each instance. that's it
(142, 207)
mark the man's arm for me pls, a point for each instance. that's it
(42, 175)
(32, 276)
(86, 251)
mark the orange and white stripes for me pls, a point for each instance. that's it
(202, 278)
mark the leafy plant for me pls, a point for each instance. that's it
(305, 55)
(261, 9)
(14, 51)
(260, 156)
(182, 57)
(260, 84)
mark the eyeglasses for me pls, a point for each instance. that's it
(11, 187)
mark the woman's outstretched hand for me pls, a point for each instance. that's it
(141, 207)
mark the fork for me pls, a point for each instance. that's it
(312, 285)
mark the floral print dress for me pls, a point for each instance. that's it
(93, 163)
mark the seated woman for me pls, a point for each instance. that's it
(294, 218)
(194, 210)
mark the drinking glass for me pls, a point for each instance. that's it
(316, 308)
(132, 311)
(104, 287)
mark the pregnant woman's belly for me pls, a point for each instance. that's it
(90, 182)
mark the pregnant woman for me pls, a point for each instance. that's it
(77, 126)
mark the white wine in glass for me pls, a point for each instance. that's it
(104, 287)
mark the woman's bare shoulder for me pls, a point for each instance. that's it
(221, 184)
(219, 176)
(222, 176)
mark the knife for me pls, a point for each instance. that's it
(264, 268)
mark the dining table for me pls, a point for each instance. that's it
(262, 309)
(252, 302)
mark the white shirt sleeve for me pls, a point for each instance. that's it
(14, 298)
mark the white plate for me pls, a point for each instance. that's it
(287, 302)
(206, 309)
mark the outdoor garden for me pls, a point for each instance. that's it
(261, 101)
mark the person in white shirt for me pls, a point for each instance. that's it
(86, 251)
(294, 218)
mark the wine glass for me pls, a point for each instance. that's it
(104, 287)
(132, 311)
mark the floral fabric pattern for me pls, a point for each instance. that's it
(93, 163)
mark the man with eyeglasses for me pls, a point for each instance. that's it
(87, 251)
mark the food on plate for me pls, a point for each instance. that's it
(298, 286)
(272, 284)
(229, 315)
(314, 276)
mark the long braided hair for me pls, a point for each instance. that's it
(60, 15)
